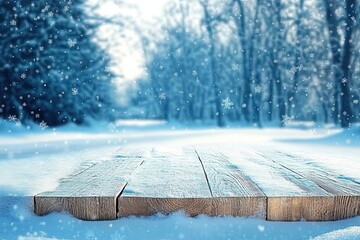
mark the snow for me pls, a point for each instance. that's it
(343, 234)
(34, 161)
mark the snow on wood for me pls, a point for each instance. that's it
(165, 183)
(91, 194)
(232, 181)
(233, 192)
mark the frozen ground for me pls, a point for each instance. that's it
(33, 161)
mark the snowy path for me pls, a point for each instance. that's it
(36, 163)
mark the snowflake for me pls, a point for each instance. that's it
(261, 228)
(344, 80)
(43, 125)
(41, 48)
(107, 69)
(74, 91)
(178, 51)
(338, 12)
(234, 67)
(13, 22)
(66, 8)
(51, 14)
(227, 103)
(329, 86)
(287, 119)
(348, 141)
(23, 75)
(312, 55)
(162, 96)
(71, 42)
(50, 41)
(12, 118)
(355, 101)
(258, 89)
(293, 70)
(194, 73)
(190, 95)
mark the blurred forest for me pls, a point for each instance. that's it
(231, 61)
(254, 61)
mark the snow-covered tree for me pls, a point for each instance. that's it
(51, 70)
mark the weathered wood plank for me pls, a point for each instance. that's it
(344, 194)
(233, 192)
(165, 183)
(91, 194)
(290, 195)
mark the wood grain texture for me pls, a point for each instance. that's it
(92, 193)
(167, 182)
(147, 206)
(297, 208)
(233, 192)
(291, 196)
(343, 192)
(325, 178)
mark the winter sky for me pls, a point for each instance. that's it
(122, 43)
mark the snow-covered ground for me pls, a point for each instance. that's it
(33, 161)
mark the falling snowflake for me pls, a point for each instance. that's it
(344, 80)
(46, 8)
(227, 103)
(312, 55)
(107, 69)
(50, 41)
(74, 91)
(162, 96)
(12, 118)
(329, 86)
(13, 22)
(41, 48)
(293, 71)
(261, 228)
(287, 119)
(234, 67)
(194, 73)
(51, 14)
(190, 95)
(71, 42)
(339, 12)
(43, 125)
(348, 141)
(258, 89)
(23, 75)
(355, 101)
(66, 8)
